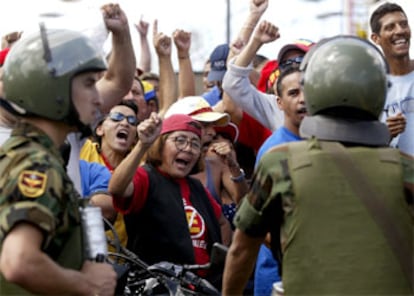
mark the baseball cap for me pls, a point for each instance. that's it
(231, 130)
(181, 122)
(199, 109)
(300, 44)
(218, 61)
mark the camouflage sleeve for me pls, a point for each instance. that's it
(30, 195)
(271, 184)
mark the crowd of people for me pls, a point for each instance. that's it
(302, 164)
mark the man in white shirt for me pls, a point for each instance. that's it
(391, 31)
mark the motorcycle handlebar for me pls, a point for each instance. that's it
(184, 275)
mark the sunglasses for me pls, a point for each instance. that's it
(117, 117)
(289, 62)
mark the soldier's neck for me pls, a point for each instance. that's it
(57, 131)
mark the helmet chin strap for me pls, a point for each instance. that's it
(13, 108)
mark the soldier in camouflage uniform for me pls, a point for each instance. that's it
(341, 199)
(50, 85)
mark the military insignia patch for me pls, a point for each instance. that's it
(32, 183)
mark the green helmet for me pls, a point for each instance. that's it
(39, 69)
(347, 72)
(344, 81)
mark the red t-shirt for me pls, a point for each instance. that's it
(252, 133)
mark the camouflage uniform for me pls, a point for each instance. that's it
(35, 189)
(330, 242)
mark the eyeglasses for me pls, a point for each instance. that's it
(117, 117)
(289, 62)
(182, 142)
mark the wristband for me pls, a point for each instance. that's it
(239, 178)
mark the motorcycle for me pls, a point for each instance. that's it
(135, 277)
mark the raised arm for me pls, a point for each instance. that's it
(237, 85)
(257, 9)
(145, 59)
(117, 80)
(186, 80)
(266, 32)
(121, 184)
(168, 83)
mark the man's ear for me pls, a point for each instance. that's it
(375, 38)
(279, 102)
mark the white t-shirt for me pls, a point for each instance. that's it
(72, 167)
(400, 97)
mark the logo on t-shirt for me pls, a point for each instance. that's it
(195, 222)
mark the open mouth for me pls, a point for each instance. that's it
(302, 111)
(182, 161)
(182, 165)
(122, 134)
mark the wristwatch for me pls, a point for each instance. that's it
(239, 178)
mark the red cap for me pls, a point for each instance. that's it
(267, 70)
(181, 122)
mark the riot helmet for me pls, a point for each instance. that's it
(345, 86)
(39, 70)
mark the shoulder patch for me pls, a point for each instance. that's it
(32, 184)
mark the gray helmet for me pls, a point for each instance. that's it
(39, 69)
(345, 86)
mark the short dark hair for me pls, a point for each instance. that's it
(375, 20)
(130, 104)
(289, 70)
